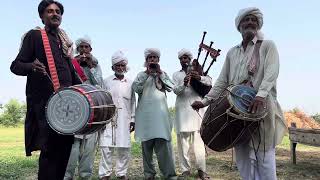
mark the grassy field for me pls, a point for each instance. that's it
(14, 164)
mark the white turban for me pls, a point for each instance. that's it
(117, 57)
(249, 11)
(85, 39)
(150, 51)
(185, 52)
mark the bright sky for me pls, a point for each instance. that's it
(171, 25)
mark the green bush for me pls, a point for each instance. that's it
(316, 117)
(13, 113)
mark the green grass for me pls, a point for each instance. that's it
(14, 164)
(285, 144)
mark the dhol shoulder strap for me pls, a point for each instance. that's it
(50, 60)
(254, 63)
(79, 70)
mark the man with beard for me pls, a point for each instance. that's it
(118, 141)
(82, 152)
(153, 124)
(187, 120)
(259, 69)
(33, 63)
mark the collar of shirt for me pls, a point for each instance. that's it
(254, 40)
(122, 80)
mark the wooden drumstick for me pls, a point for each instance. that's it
(195, 110)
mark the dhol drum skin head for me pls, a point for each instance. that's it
(240, 97)
(68, 111)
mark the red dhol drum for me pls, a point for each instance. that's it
(80, 109)
(227, 122)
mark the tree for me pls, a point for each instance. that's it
(316, 117)
(13, 113)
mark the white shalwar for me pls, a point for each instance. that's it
(188, 122)
(124, 99)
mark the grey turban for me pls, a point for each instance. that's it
(117, 57)
(85, 39)
(150, 51)
(249, 11)
(185, 52)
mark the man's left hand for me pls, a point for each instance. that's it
(197, 105)
(132, 127)
(195, 75)
(158, 69)
(257, 105)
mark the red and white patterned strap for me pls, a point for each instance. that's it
(50, 60)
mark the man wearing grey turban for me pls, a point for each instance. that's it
(115, 141)
(254, 62)
(187, 121)
(82, 153)
(153, 124)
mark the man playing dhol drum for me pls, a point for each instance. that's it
(83, 148)
(32, 62)
(188, 121)
(115, 142)
(261, 72)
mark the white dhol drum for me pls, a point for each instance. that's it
(80, 109)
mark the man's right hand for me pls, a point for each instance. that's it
(156, 70)
(186, 80)
(197, 105)
(37, 66)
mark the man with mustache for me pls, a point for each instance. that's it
(117, 145)
(83, 148)
(259, 69)
(153, 124)
(187, 120)
(33, 63)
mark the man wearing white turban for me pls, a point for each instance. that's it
(82, 153)
(187, 120)
(153, 124)
(254, 62)
(124, 99)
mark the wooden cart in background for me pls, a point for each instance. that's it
(309, 137)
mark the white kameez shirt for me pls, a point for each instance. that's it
(124, 99)
(235, 71)
(186, 118)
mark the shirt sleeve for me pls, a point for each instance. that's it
(97, 74)
(106, 84)
(206, 80)
(220, 84)
(178, 84)
(167, 81)
(133, 106)
(22, 65)
(138, 83)
(271, 70)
